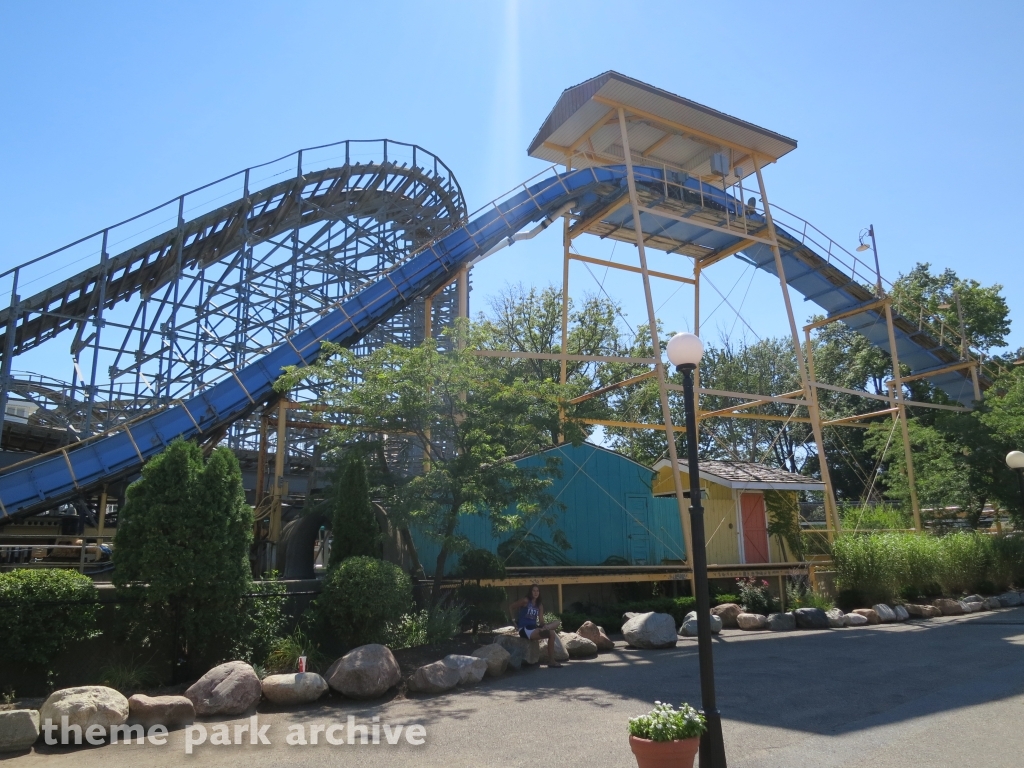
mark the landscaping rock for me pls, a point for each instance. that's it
(629, 615)
(917, 611)
(836, 618)
(750, 621)
(970, 607)
(868, 613)
(595, 634)
(856, 619)
(992, 603)
(437, 677)
(19, 729)
(364, 672)
(781, 622)
(471, 669)
(295, 688)
(728, 613)
(811, 618)
(886, 615)
(902, 614)
(578, 647)
(560, 653)
(86, 705)
(509, 630)
(689, 626)
(651, 630)
(974, 599)
(229, 689)
(949, 607)
(496, 657)
(521, 650)
(171, 711)
(1009, 599)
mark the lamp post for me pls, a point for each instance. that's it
(870, 232)
(684, 352)
(1015, 461)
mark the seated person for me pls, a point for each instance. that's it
(528, 613)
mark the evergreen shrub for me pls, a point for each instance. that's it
(361, 597)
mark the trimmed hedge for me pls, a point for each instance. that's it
(361, 597)
(43, 611)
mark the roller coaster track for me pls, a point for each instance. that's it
(680, 214)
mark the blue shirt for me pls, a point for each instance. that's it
(529, 616)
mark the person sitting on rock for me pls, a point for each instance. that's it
(528, 614)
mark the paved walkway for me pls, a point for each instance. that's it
(947, 692)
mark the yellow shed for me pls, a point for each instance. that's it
(735, 518)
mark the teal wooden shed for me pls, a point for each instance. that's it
(609, 514)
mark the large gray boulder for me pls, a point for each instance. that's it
(561, 654)
(437, 677)
(689, 625)
(751, 621)
(470, 668)
(651, 630)
(902, 614)
(578, 646)
(294, 688)
(86, 705)
(949, 607)
(497, 658)
(868, 613)
(991, 603)
(232, 688)
(811, 618)
(857, 619)
(836, 618)
(365, 672)
(781, 622)
(916, 611)
(970, 607)
(19, 729)
(521, 650)
(170, 711)
(974, 599)
(727, 612)
(596, 635)
(886, 615)
(1009, 599)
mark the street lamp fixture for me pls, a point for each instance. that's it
(684, 352)
(1015, 461)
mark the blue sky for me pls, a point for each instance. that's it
(907, 115)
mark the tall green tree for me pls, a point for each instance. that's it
(471, 423)
(181, 551)
(353, 525)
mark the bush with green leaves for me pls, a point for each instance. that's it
(440, 622)
(181, 553)
(755, 596)
(964, 562)
(285, 652)
(263, 618)
(665, 723)
(361, 597)
(43, 611)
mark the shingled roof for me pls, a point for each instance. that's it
(751, 476)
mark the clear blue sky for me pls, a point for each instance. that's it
(908, 115)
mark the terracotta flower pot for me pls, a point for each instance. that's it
(664, 754)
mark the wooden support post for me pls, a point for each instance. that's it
(901, 414)
(830, 498)
(463, 286)
(563, 374)
(559, 599)
(831, 521)
(261, 461)
(279, 465)
(652, 319)
(101, 514)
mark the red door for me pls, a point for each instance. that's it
(755, 529)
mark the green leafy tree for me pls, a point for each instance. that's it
(181, 552)
(471, 423)
(354, 526)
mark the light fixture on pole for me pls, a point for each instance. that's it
(684, 352)
(869, 231)
(1015, 461)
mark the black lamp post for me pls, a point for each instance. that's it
(684, 352)
(1015, 461)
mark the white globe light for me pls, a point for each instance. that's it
(1015, 460)
(685, 349)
